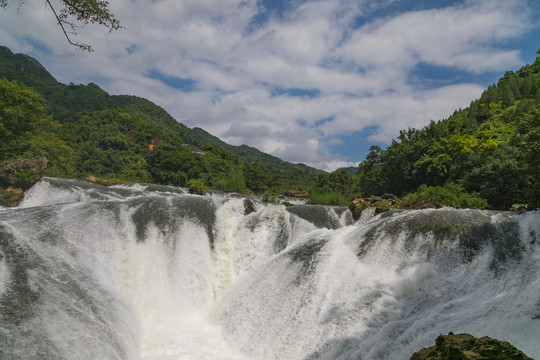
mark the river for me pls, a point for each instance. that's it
(154, 273)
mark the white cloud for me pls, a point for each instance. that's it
(459, 37)
(364, 76)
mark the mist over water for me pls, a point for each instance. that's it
(151, 272)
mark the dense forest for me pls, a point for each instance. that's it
(490, 149)
(483, 156)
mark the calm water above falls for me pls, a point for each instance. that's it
(150, 272)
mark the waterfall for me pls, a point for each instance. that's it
(152, 272)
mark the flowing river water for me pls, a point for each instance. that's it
(153, 273)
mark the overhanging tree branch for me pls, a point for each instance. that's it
(82, 46)
(75, 12)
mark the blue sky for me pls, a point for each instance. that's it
(316, 82)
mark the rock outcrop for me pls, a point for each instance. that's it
(380, 203)
(249, 207)
(18, 175)
(104, 182)
(467, 347)
(21, 173)
(11, 196)
(303, 194)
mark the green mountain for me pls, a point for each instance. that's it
(108, 135)
(65, 101)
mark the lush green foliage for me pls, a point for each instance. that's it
(446, 195)
(337, 188)
(328, 198)
(490, 148)
(91, 131)
(114, 144)
(27, 131)
(197, 186)
(232, 182)
(260, 179)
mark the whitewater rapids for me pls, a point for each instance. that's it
(146, 272)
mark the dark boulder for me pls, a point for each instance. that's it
(249, 207)
(357, 206)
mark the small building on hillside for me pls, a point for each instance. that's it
(154, 140)
(193, 148)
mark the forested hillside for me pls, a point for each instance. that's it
(491, 148)
(109, 136)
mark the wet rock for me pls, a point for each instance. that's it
(248, 207)
(297, 193)
(518, 207)
(380, 203)
(465, 347)
(104, 182)
(419, 205)
(357, 206)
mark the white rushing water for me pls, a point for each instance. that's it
(150, 272)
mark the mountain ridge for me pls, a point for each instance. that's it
(76, 98)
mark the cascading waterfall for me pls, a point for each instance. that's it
(151, 272)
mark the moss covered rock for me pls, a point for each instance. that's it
(21, 173)
(467, 347)
(11, 196)
(357, 206)
(380, 203)
(104, 182)
(18, 175)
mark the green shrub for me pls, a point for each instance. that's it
(270, 197)
(234, 182)
(197, 186)
(25, 178)
(446, 195)
(328, 198)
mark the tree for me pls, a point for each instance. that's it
(259, 178)
(27, 131)
(21, 111)
(76, 12)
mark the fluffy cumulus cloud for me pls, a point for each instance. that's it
(289, 80)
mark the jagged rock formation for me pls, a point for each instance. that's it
(465, 347)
